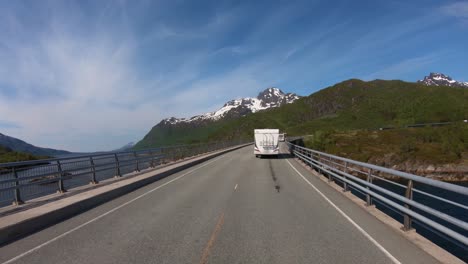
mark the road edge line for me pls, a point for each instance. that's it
(359, 228)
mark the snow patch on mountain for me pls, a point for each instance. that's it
(440, 79)
(269, 98)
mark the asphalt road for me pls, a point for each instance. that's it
(232, 209)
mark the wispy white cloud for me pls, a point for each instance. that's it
(94, 76)
(456, 9)
(61, 85)
(208, 94)
(86, 91)
(403, 67)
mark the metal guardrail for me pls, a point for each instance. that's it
(291, 139)
(419, 125)
(362, 177)
(26, 180)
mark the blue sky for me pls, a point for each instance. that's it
(95, 75)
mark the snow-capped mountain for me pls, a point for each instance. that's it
(439, 79)
(269, 98)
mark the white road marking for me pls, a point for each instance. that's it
(104, 214)
(235, 187)
(392, 258)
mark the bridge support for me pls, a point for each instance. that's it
(61, 188)
(17, 200)
(137, 162)
(117, 166)
(368, 196)
(93, 168)
(319, 159)
(345, 184)
(152, 159)
(407, 219)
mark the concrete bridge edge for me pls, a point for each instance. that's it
(20, 229)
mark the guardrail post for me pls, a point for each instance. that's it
(117, 166)
(17, 200)
(137, 163)
(93, 168)
(61, 188)
(368, 196)
(152, 159)
(345, 184)
(309, 163)
(319, 159)
(407, 220)
(330, 165)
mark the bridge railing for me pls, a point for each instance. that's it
(26, 180)
(440, 206)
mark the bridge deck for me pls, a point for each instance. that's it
(233, 209)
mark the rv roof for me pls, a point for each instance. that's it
(268, 130)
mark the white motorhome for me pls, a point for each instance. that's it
(266, 142)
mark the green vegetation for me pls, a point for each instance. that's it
(343, 119)
(182, 134)
(428, 145)
(8, 155)
(356, 104)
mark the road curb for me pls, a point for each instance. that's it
(23, 227)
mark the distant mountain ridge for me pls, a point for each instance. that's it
(126, 147)
(269, 98)
(440, 79)
(351, 104)
(21, 146)
(178, 130)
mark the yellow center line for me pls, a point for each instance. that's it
(209, 245)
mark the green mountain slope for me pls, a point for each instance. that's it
(166, 135)
(8, 155)
(352, 104)
(24, 147)
(355, 104)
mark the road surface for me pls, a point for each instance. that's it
(232, 209)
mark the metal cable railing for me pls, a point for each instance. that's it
(26, 180)
(398, 192)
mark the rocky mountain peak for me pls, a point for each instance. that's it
(268, 98)
(274, 97)
(440, 79)
(270, 93)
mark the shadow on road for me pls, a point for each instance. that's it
(280, 156)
